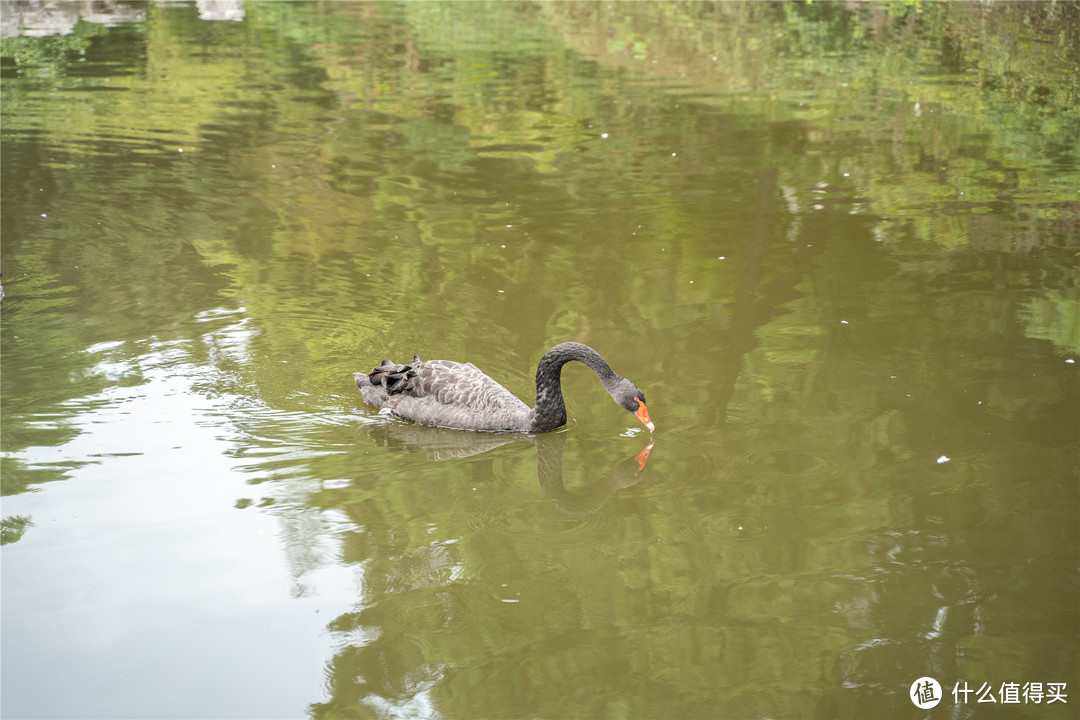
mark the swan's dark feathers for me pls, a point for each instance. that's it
(392, 378)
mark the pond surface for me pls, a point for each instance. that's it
(836, 245)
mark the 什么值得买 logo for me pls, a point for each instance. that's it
(926, 693)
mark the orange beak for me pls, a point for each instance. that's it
(642, 414)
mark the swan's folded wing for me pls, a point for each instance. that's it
(450, 394)
(461, 385)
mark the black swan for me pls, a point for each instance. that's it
(455, 395)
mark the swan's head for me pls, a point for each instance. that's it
(632, 399)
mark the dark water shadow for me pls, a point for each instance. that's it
(441, 444)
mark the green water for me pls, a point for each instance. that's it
(835, 244)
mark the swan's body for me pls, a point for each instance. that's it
(457, 395)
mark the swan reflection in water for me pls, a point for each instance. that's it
(445, 444)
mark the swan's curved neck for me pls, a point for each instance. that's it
(550, 410)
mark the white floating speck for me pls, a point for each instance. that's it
(720, 258)
(603, 135)
(942, 459)
(843, 322)
(691, 282)
(179, 149)
(44, 215)
(1069, 360)
(846, 175)
(672, 154)
(503, 246)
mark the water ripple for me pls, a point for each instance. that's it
(562, 522)
(795, 464)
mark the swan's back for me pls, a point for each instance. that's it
(445, 394)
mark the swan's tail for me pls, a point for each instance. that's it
(389, 377)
